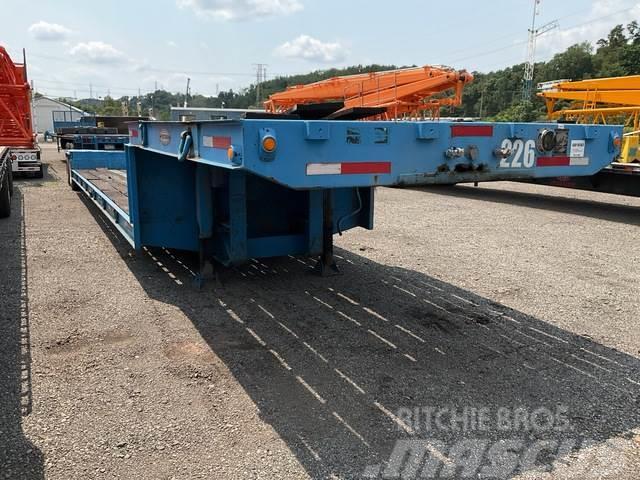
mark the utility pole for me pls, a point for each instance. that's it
(125, 106)
(90, 90)
(186, 95)
(534, 33)
(261, 76)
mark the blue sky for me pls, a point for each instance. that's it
(121, 46)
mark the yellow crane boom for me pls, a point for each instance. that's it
(599, 100)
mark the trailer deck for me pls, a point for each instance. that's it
(111, 182)
(104, 180)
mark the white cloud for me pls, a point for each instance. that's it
(604, 15)
(241, 9)
(309, 48)
(139, 66)
(49, 31)
(172, 44)
(98, 52)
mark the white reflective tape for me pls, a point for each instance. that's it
(207, 141)
(579, 161)
(324, 168)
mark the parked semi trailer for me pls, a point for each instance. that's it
(617, 178)
(16, 129)
(254, 188)
(92, 132)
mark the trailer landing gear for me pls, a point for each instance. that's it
(206, 269)
(326, 266)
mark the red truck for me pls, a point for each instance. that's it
(16, 124)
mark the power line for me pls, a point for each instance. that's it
(489, 52)
(65, 82)
(517, 44)
(170, 70)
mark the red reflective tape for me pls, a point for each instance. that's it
(365, 167)
(553, 162)
(133, 133)
(221, 142)
(472, 130)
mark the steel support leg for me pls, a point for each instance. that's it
(204, 214)
(206, 270)
(326, 266)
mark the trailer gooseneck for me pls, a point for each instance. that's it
(235, 190)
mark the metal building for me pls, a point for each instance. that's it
(179, 114)
(44, 108)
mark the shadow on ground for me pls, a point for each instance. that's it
(600, 210)
(49, 174)
(338, 366)
(19, 459)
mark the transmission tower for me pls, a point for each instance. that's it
(261, 76)
(534, 33)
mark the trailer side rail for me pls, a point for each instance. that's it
(304, 154)
(116, 214)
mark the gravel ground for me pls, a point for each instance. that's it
(499, 304)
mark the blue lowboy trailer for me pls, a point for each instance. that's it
(235, 190)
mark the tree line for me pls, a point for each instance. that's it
(493, 96)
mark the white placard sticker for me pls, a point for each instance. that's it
(577, 148)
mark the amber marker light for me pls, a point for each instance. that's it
(269, 144)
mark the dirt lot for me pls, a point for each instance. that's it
(506, 301)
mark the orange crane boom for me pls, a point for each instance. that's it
(395, 93)
(15, 104)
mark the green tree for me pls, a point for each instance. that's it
(574, 63)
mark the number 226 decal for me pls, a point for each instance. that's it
(523, 154)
